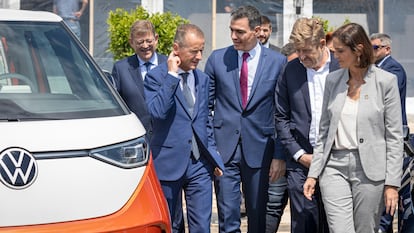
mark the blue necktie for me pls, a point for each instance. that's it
(187, 93)
(147, 65)
(190, 101)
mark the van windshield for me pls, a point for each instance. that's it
(46, 74)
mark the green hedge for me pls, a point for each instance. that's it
(120, 21)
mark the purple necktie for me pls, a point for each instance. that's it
(243, 79)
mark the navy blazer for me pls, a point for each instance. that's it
(293, 110)
(394, 67)
(254, 125)
(173, 126)
(130, 85)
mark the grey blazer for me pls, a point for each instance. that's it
(379, 125)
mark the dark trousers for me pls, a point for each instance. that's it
(227, 187)
(306, 216)
(278, 197)
(197, 186)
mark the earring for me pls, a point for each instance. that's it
(359, 60)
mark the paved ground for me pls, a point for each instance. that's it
(285, 223)
(284, 226)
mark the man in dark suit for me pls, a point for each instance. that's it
(381, 43)
(277, 188)
(182, 144)
(243, 78)
(129, 73)
(266, 30)
(299, 96)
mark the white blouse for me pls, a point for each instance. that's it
(346, 135)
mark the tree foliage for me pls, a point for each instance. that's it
(326, 26)
(120, 21)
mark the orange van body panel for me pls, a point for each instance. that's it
(145, 212)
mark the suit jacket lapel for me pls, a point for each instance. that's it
(183, 102)
(235, 73)
(258, 76)
(366, 95)
(303, 78)
(199, 87)
(337, 101)
(135, 72)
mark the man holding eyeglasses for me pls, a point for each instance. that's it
(381, 43)
(129, 73)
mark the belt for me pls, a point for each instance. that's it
(70, 19)
(344, 152)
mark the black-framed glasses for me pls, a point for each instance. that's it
(148, 41)
(375, 47)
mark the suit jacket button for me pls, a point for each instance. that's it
(237, 132)
(189, 141)
(361, 140)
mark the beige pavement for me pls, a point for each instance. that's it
(284, 226)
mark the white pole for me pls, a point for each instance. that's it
(381, 16)
(91, 26)
(213, 23)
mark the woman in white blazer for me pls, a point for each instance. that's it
(358, 156)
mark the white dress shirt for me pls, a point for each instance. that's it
(154, 62)
(252, 62)
(316, 86)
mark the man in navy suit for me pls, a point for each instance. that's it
(299, 96)
(278, 196)
(243, 79)
(182, 144)
(129, 73)
(381, 43)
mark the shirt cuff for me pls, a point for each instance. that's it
(173, 74)
(298, 154)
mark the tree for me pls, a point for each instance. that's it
(120, 21)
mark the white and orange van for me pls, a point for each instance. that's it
(73, 158)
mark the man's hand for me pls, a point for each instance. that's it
(309, 188)
(277, 169)
(305, 160)
(218, 172)
(78, 14)
(173, 62)
(390, 199)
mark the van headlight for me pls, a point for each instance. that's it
(129, 154)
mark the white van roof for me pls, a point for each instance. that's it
(25, 15)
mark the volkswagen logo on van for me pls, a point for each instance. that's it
(18, 168)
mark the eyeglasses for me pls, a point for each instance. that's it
(148, 41)
(376, 47)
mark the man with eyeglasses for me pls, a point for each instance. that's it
(129, 73)
(381, 44)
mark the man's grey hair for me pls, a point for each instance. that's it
(384, 38)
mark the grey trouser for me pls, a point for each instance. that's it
(353, 203)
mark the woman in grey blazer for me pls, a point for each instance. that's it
(358, 156)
